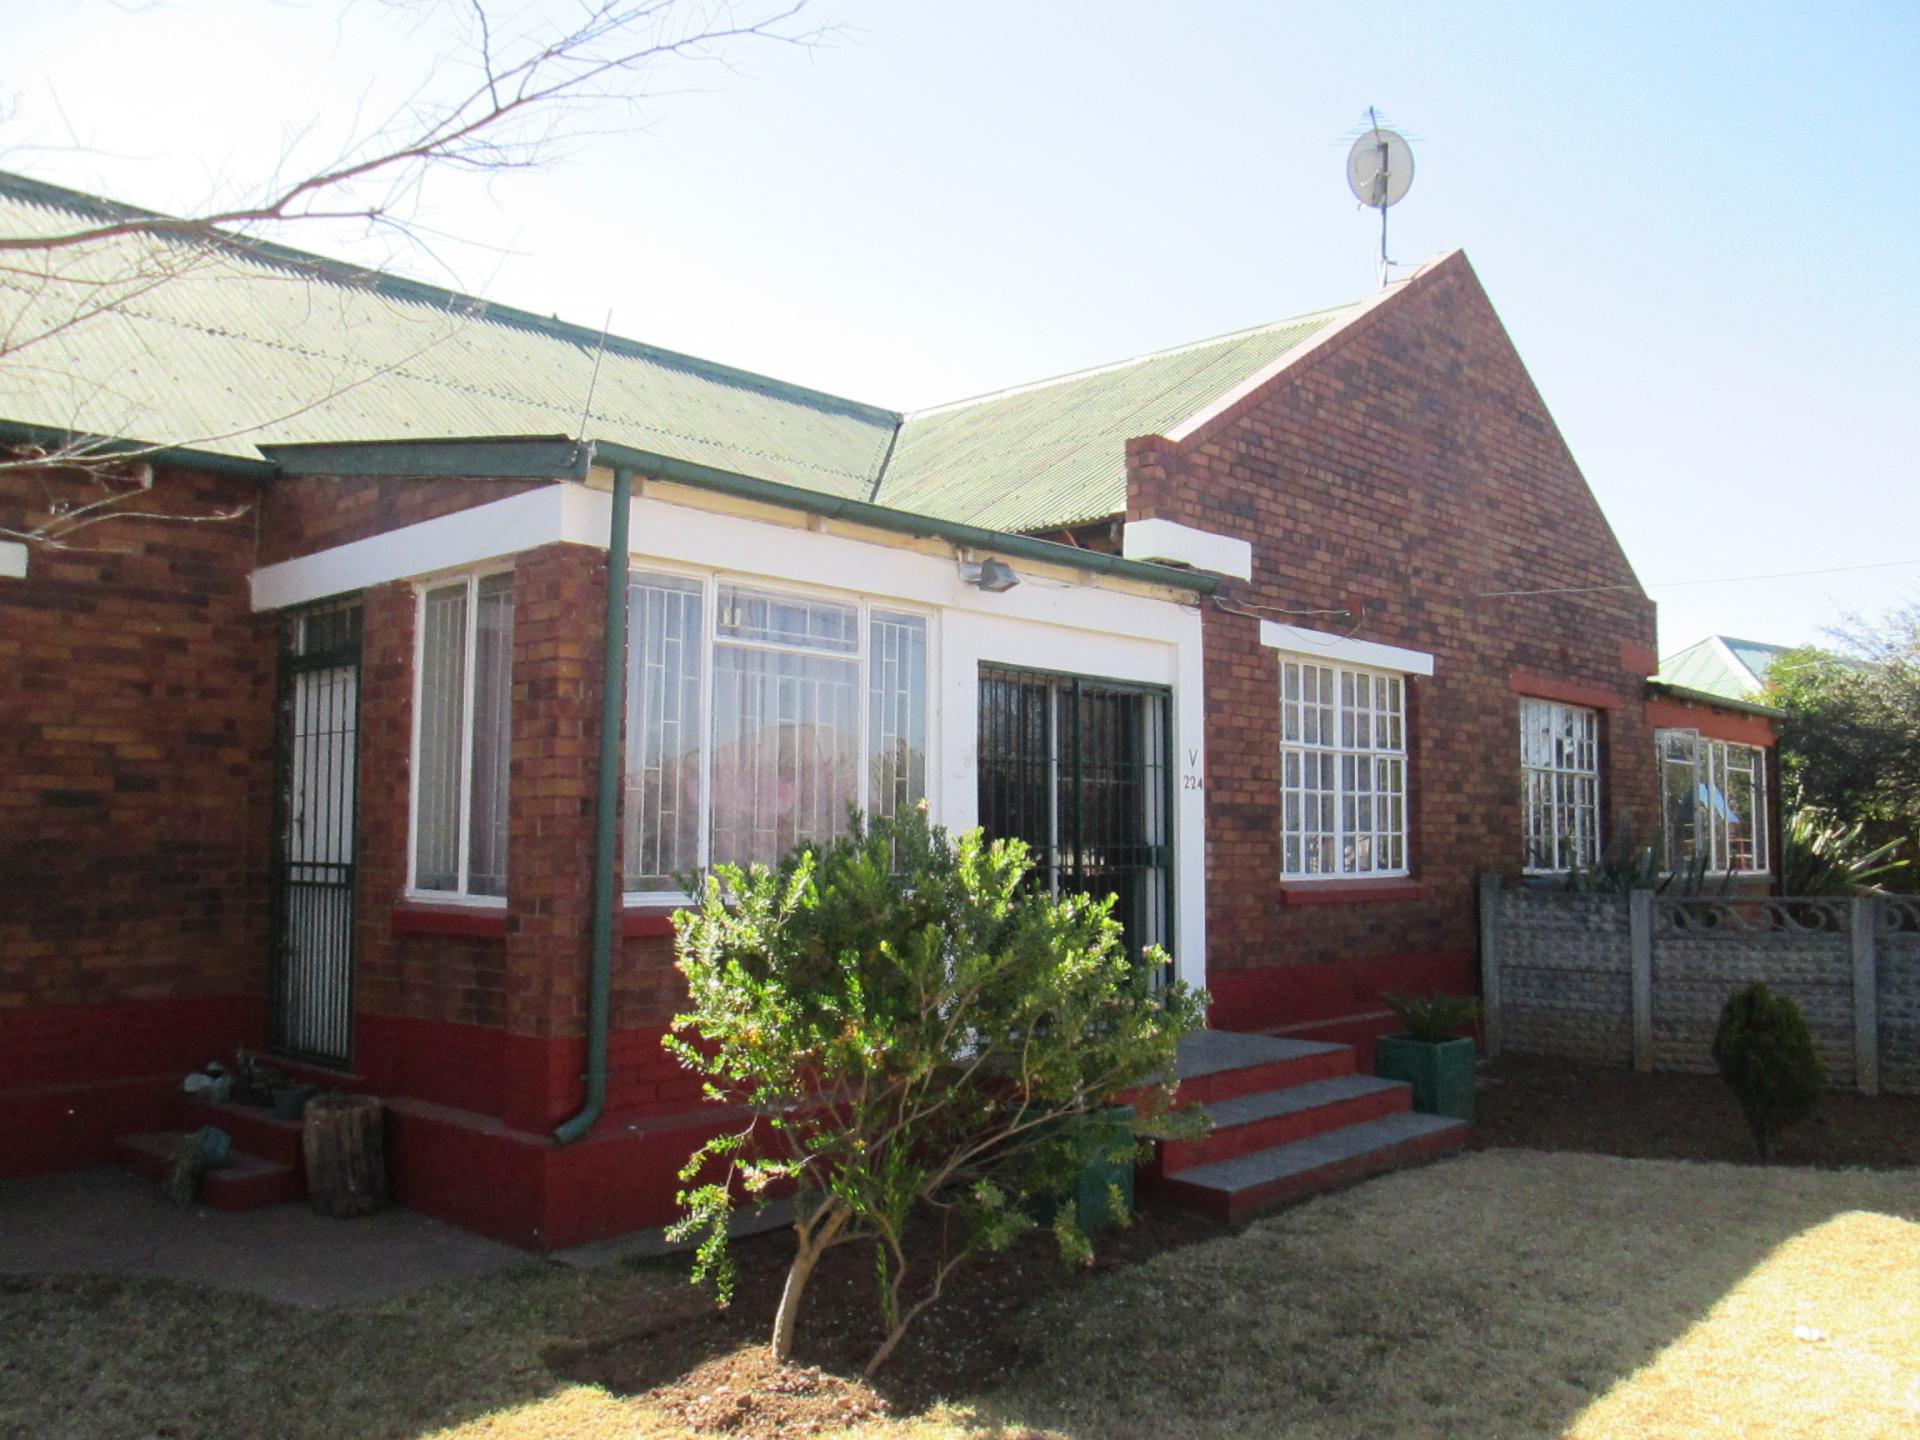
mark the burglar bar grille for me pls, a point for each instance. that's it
(1079, 769)
(312, 996)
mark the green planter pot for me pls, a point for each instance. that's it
(1441, 1072)
(1092, 1193)
(1089, 1193)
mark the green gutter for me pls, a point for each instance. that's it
(902, 522)
(1706, 697)
(14, 432)
(606, 815)
(504, 457)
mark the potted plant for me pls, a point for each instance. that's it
(1430, 1057)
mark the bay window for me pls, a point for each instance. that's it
(757, 719)
(1713, 803)
(1343, 771)
(464, 695)
(1559, 786)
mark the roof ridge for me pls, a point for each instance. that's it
(400, 287)
(1112, 365)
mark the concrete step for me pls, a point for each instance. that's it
(1217, 1065)
(254, 1129)
(1279, 1117)
(245, 1182)
(1233, 1190)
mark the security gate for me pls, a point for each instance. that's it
(1079, 768)
(313, 864)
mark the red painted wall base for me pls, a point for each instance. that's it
(523, 1188)
(74, 1078)
(1339, 1003)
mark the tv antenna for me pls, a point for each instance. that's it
(1380, 172)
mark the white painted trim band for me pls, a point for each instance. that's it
(1170, 542)
(1323, 645)
(13, 560)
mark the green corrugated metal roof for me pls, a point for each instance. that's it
(237, 344)
(1756, 655)
(1722, 665)
(245, 344)
(1053, 454)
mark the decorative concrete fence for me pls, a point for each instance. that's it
(1641, 978)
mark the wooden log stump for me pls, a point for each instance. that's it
(345, 1144)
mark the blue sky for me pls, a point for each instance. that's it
(1693, 218)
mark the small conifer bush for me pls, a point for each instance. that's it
(1765, 1054)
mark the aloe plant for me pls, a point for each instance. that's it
(1820, 855)
(1432, 1018)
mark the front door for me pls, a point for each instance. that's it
(1078, 768)
(313, 871)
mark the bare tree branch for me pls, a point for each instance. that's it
(517, 87)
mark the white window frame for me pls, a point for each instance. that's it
(711, 582)
(421, 588)
(1570, 773)
(1712, 755)
(1370, 754)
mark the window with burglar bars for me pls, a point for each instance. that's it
(461, 747)
(1343, 771)
(1078, 769)
(1713, 803)
(1559, 786)
(757, 719)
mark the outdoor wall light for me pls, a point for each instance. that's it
(992, 576)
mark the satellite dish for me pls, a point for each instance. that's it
(1380, 168)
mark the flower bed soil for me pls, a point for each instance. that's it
(1530, 1103)
(712, 1371)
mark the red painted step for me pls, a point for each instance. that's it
(1279, 1117)
(1290, 1118)
(1234, 1190)
(245, 1182)
(254, 1129)
(1219, 1065)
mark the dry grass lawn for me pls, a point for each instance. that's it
(1504, 1294)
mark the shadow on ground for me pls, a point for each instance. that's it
(1499, 1294)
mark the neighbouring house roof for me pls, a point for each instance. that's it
(1722, 666)
(244, 345)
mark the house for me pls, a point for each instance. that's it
(472, 634)
(1719, 754)
(1722, 666)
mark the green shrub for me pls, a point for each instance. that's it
(1432, 1018)
(1765, 1053)
(1823, 856)
(923, 1042)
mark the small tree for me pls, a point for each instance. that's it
(1765, 1053)
(921, 1035)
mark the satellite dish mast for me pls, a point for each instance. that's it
(1380, 172)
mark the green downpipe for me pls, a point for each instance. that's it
(606, 816)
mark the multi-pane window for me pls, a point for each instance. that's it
(1559, 785)
(757, 720)
(1713, 803)
(1343, 771)
(461, 745)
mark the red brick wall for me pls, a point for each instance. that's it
(458, 998)
(1398, 474)
(136, 738)
(299, 516)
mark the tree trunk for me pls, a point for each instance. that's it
(785, 1321)
(815, 1238)
(345, 1144)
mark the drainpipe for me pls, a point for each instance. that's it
(600, 973)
